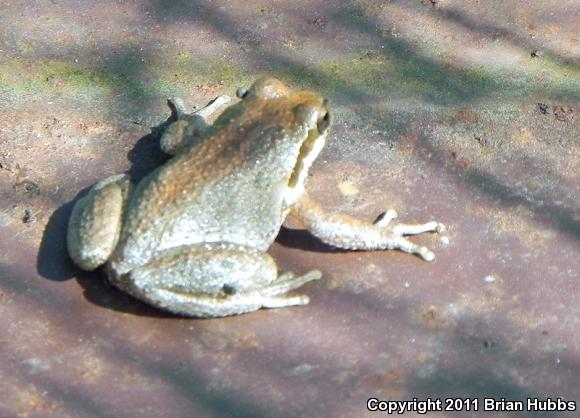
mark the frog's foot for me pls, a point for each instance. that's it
(274, 295)
(212, 106)
(214, 279)
(188, 127)
(270, 296)
(95, 222)
(179, 110)
(395, 234)
(289, 281)
(350, 233)
(203, 306)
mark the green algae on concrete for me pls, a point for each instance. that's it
(24, 76)
(128, 74)
(373, 72)
(369, 72)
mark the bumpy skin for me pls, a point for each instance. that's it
(191, 238)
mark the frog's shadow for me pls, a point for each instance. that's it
(53, 262)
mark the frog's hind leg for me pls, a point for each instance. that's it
(204, 306)
(214, 279)
(95, 222)
(188, 126)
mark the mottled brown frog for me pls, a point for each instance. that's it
(191, 237)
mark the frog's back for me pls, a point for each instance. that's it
(230, 188)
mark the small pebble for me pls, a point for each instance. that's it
(29, 217)
(489, 279)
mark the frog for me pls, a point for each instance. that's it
(192, 236)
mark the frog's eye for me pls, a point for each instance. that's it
(313, 116)
(241, 92)
(307, 114)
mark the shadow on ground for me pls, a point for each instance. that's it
(483, 367)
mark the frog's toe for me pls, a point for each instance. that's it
(284, 301)
(414, 229)
(177, 106)
(427, 254)
(403, 244)
(288, 281)
(385, 219)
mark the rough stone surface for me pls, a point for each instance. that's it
(465, 112)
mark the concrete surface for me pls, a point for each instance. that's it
(466, 112)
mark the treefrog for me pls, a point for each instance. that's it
(191, 237)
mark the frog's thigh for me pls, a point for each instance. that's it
(95, 222)
(215, 279)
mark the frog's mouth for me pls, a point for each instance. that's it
(309, 150)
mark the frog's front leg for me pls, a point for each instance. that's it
(213, 279)
(188, 126)
(346, 232)
(95, 222)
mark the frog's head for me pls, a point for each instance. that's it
(306, 119)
